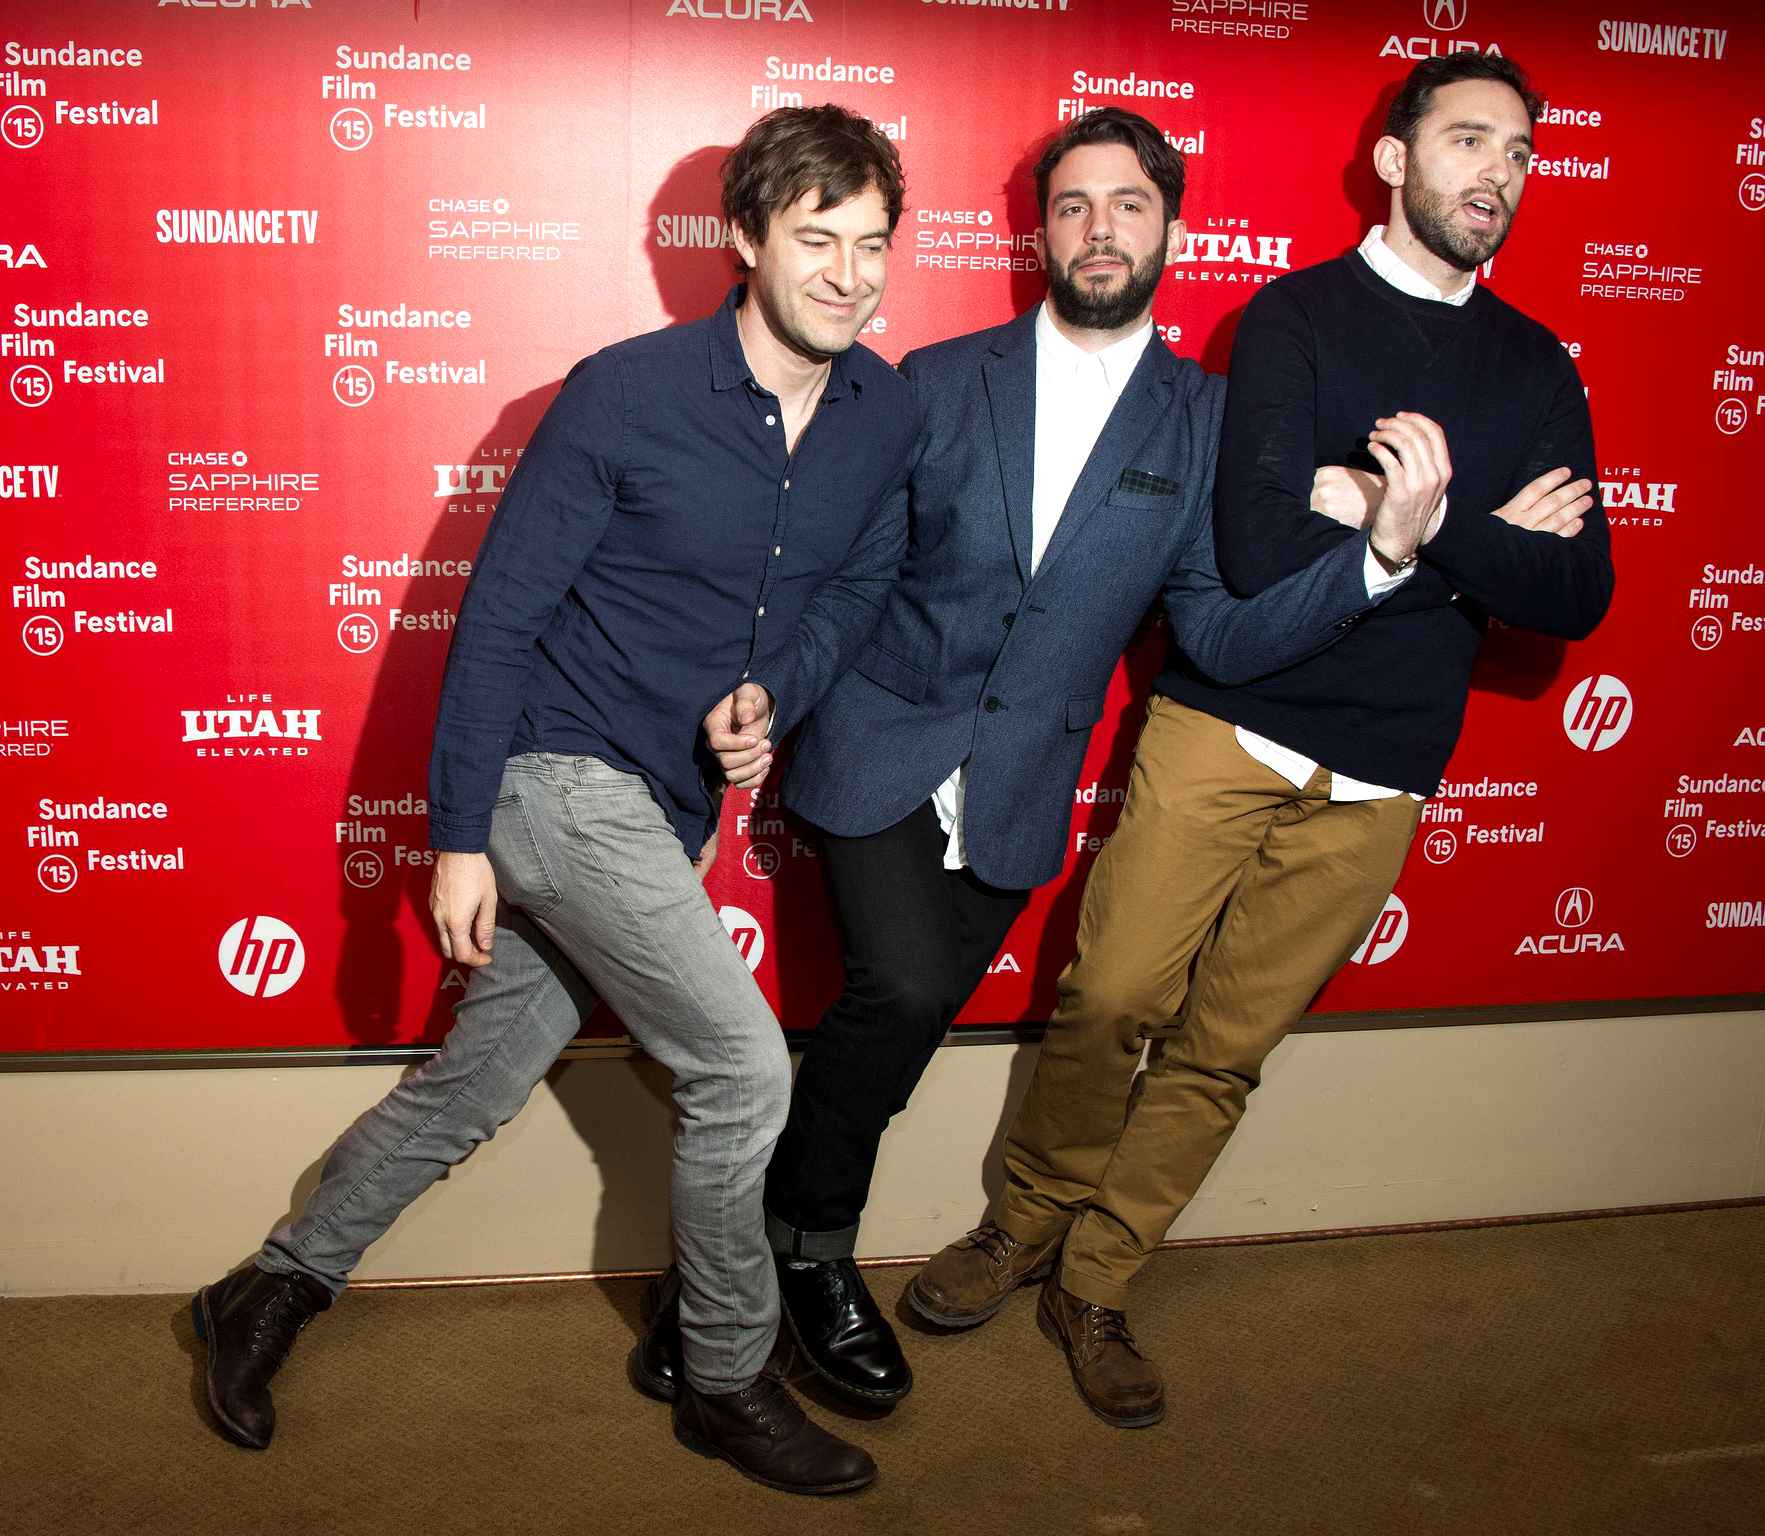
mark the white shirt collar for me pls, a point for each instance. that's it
(1405, 278)
(1115, 362)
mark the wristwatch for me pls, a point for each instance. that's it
(1392, 567)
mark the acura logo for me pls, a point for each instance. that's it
(1574, 907)
(1445, 15)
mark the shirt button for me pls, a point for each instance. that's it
(760, 612)
(772, 421)
(787, 485)
(992, 705)
(777, 549)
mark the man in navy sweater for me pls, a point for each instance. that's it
(1267, 822)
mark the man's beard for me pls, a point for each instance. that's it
(1430, 219)
(1105, 308)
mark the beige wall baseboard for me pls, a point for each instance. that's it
(159, 1180)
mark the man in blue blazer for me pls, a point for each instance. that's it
(1063, 486)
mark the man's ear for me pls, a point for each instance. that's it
(745, 245)
(1176, 240)
(1391, 160)
(1041, 246)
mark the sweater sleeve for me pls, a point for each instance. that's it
(1536, 580)
(1264, 528)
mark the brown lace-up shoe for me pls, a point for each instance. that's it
(1118, 1383)
(969, 1281)
(763, 1434)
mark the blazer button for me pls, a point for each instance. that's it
(992, 706)
(1006, 618)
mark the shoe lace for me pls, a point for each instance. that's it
(995, 1242)
(835, 1281)
(769, 1403)
(279, 1324)
(1106, 1325)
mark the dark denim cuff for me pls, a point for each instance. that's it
(817, 1247)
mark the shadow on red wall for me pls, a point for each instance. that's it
(392, 755)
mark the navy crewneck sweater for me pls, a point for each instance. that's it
(1319, 356)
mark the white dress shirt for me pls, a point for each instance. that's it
(1293, 766)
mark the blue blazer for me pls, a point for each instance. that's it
(975, 661)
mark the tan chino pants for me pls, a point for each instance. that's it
(1224, 900)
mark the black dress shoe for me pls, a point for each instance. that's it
(763, 1434)
(249, 1322)
(654, 1362)
(842, 1332)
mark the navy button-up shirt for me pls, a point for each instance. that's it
(655, 546)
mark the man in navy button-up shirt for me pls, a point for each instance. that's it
(661, 540)
(699, 537)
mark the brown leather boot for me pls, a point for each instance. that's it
(969, 1281)
(1118, 1383)
(763, 1434)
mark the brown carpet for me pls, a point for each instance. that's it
(1591, 1377)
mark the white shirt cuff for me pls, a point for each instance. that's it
(1379, 581)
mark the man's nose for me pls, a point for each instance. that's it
(841, 270)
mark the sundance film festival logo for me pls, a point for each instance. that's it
(261, 956)
(745, 933)
(1598, 712)
(1390, 928)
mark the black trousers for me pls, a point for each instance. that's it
(918, 938)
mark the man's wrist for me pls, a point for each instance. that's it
(1392, 565)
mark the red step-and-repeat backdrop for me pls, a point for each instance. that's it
(289, 282)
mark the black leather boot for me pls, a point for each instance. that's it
(249, 1321)
(654, 1362)
(842, 1332)
(763, 1434)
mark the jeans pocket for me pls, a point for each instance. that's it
(522, 878)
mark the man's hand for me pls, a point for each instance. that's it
(1411, 450)
(462, 900)
(707, 857)
(1550, 504)
(735, 730)
(1346, 496)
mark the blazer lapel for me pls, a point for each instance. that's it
(1010, 376)
(1143, 404)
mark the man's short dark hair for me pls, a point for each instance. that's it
(1417, 96)
(794, 150)
(1111, 125)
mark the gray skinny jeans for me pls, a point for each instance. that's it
(606, 905)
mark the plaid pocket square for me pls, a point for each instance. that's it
(1140, 483)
